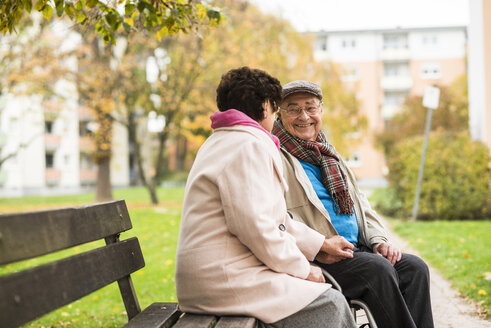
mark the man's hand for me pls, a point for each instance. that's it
(315, 274)
(391, 253)
(338, 246)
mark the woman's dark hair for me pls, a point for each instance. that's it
(246, 89)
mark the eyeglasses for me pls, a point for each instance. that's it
(294, 111)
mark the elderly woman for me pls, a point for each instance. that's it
(324, 194)
(239, 253)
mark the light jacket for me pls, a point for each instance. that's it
(239, 253)
(304, 205)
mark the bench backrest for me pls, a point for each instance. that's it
(30, 293)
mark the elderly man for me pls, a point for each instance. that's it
(323, 193)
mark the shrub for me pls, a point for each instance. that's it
(455, 181)
(386, 202)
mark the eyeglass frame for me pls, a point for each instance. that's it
(303, 109)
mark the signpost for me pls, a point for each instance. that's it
(430, 100)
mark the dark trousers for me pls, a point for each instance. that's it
(398, 296)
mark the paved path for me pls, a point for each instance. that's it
(449, 310)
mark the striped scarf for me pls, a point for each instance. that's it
(322, 154)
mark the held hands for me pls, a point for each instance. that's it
(315, 274)
(391, 253)
(335, 249)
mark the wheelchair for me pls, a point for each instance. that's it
(359, 309)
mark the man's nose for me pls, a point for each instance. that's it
(303, 115)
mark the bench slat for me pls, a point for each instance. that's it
(30, 293)
(158, 315)
(31, 234)
(189, 320)
(236, 322)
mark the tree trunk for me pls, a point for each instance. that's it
(147, 182)
(103, 191)
(153, 193)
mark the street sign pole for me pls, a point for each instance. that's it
(430, 101)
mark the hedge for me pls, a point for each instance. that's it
(456, 180)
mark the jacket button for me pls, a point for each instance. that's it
(282, 227)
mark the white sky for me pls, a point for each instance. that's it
(317, 15)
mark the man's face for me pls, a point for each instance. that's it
(298, 122)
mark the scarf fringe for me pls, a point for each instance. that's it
(322, 154)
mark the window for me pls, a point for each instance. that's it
(349, 73)
(86, 162)
(396, 69)
(430, 40)
(430, 71)
(348, 43)
(48, 127)
(50, 160)
(86, 127)
(321, 43)
(395, 41)
(394, 98)
(354, 160)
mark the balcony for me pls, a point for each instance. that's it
(52, 175)
(86, 144)
(388, 111)
(395, 54)
(51, 141)
(396, 83)
(88, 176)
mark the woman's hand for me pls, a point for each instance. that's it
(323, 257)
(315, 274)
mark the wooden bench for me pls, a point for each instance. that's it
(31, 293)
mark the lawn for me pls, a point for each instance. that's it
(157, 229)
(458, 249)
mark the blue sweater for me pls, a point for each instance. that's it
(345, 224)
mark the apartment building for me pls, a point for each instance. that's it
(52, 147)
(480, 71)
(383, 67)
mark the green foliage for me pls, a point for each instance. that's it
(457, 250)
(456, 177)
(386, 202)
(163, 17)
(452, 116)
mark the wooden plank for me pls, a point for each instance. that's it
(30, 293)
(128, 293)
(31, 234)
(190, 320)
(236, 322)
(158, 315)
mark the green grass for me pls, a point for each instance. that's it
(458, 249)
(157, 229)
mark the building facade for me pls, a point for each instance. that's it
(383, 67)
(480, 71)
(52, 148)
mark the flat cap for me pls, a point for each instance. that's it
(301, 86)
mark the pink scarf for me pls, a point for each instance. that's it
(232, 117)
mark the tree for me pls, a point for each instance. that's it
(95, 83)
(163, 17)
(251, 38)
(451, 116)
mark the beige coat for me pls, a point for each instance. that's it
(304, 205)
(238, 251)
